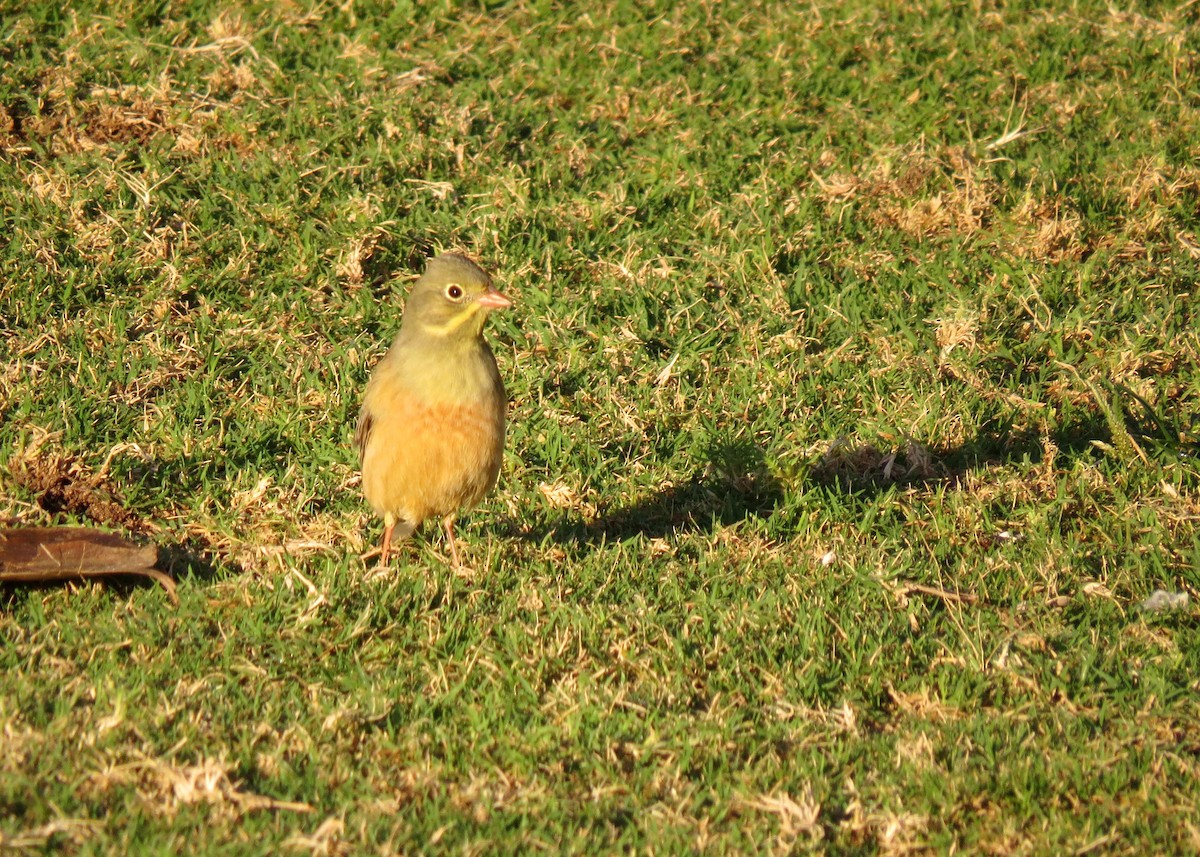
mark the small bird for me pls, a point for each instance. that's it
(430, 436)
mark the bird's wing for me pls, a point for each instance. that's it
(362, 433)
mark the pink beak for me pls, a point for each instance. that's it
(493, 299)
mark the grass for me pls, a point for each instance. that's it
(854, 380)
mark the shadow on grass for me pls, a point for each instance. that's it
(866, 469)
(737, 484)
(180, 559)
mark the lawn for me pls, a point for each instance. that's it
(854, 382)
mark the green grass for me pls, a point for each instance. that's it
(855, 380)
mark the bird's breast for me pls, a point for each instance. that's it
(437, 435)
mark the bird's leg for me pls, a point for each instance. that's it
(389, 523)
(448, 526)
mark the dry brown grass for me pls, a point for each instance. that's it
(65, 483)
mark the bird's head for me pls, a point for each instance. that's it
(451, 299)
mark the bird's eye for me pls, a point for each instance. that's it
(454, 292)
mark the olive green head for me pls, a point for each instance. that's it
(451, 300)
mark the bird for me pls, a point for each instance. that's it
(430, 435)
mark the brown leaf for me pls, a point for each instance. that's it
(41, 554)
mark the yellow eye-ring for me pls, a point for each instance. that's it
(454, 291)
